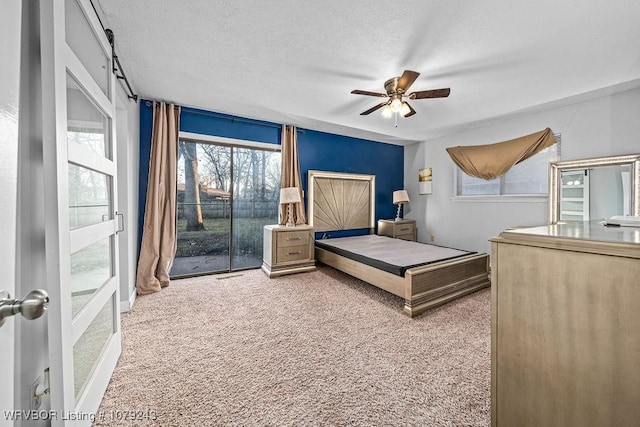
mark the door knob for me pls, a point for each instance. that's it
(31, 307)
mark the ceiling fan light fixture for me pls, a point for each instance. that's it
(387, 112)
(404, 109)
(396, 105)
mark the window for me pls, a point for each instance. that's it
(529, 178)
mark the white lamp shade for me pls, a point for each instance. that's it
(289, 195)
(404, 110)
(396, 105)
(400, 196)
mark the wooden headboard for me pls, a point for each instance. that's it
(340, 201)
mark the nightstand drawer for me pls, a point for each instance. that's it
(402, 229)
(293, 238)
(405, 230)
(292, 253)
(405, 236)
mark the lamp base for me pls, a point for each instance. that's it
(290, 222)
(398, 213)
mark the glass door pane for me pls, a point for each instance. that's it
(89, 197)
(204, 211)
(82, 39)
(91, 267)
(256, 187)
(87, 351)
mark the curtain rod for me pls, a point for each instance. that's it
(231, 118)
(235, 119)
(116, 67)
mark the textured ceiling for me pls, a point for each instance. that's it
(297, 62)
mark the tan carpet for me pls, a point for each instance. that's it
(311, 349)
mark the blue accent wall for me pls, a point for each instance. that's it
(317, 151)
(146, 126)
(218, 124)
(338, 153)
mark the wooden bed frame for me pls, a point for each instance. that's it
(344, 201)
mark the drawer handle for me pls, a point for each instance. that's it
(405, 229)
(294, 253)
(294, 238)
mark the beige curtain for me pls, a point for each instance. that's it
(494, 160)
(291, 173)
(159, 231)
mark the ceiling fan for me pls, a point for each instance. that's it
(396, 88)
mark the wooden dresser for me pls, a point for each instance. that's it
(401, 229)
(287, 250)
(565, 334)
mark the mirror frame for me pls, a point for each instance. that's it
(555, 169)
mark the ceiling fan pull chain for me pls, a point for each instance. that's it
(396, 114)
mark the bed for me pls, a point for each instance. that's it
(345, 201)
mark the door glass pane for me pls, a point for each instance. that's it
(86, 124)
(89, 196)
(84, 43)
(204, 179)
(89, 347)
(90, 269)
(255, 203)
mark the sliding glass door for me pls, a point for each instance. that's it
(204, 196)
(255, 203)
(226, 194)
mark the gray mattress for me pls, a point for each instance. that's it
(391, 255)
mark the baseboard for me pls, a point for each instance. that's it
(128, 304)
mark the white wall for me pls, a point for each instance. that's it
(128, 140)
(604, 126)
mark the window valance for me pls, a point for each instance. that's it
(493, 160)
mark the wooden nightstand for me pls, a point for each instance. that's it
(403, 229)
(287, 250)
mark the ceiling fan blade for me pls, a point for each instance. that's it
(407, 79)
(410, 113)
(365, 92)
(435, 93)
(371, 110)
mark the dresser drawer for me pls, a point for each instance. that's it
(292, 238)
(292, 253)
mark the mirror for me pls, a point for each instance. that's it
(594, 189)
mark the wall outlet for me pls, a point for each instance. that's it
(433, 238)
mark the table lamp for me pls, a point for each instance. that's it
(289, 196)
(400, 197)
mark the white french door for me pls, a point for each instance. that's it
(79, 108)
